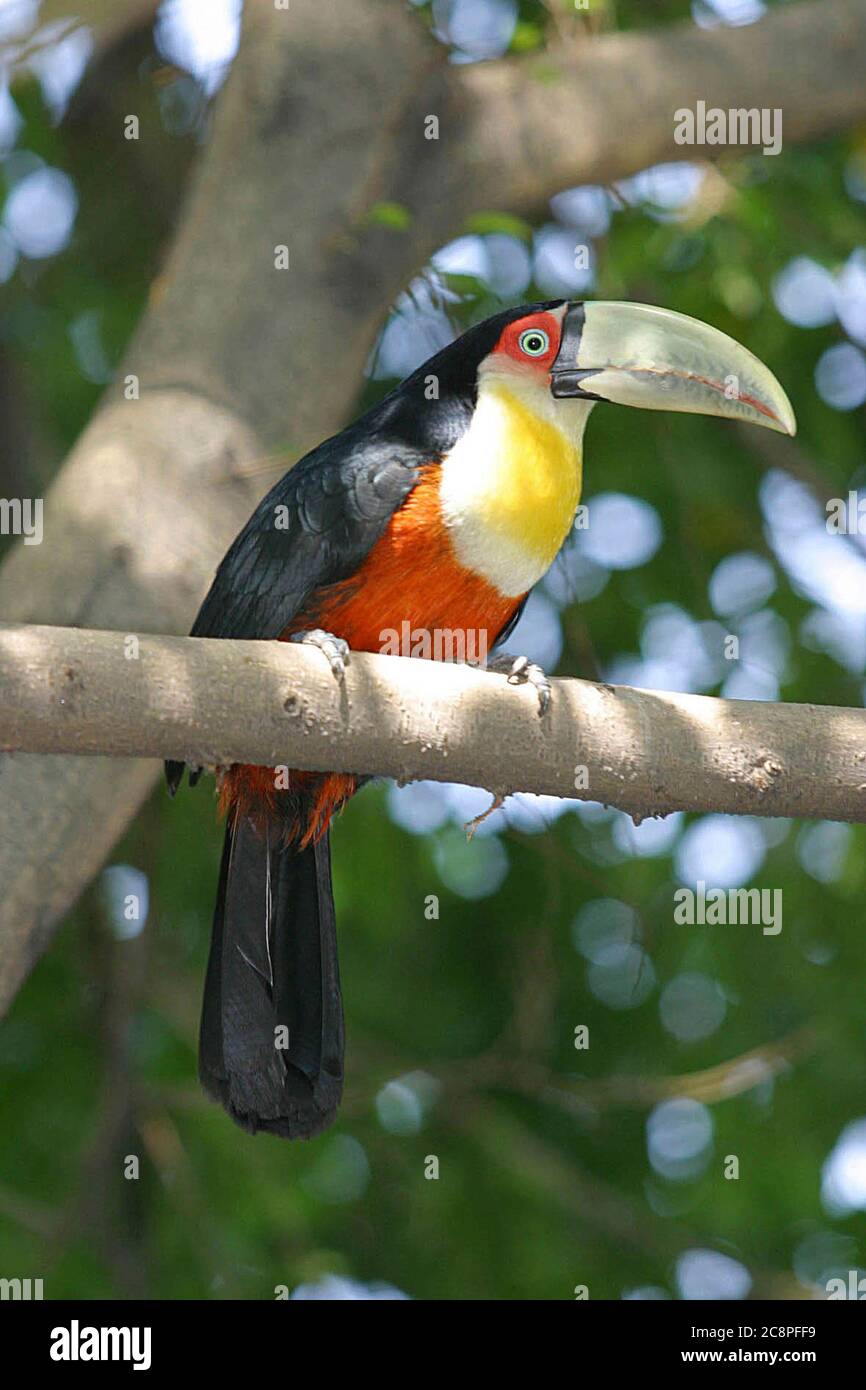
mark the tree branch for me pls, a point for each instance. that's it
(218, 702)
(604, 108)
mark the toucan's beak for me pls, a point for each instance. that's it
(635, 354)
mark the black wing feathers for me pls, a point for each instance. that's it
(313, 529)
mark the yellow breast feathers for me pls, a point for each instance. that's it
(511, 486)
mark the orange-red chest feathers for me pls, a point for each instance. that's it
(412, 581)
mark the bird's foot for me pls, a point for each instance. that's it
(334, 648)
(521, 671)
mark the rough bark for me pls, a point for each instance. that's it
(217, 702)
(605, 108)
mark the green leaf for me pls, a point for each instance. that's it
(393, 215)
(526, 36)
(505, 223)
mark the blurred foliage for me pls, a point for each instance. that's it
(461, 1030)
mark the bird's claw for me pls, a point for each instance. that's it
(521, 671)
(334, 648)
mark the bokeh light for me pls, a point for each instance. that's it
(680, 1138)
(692, 1006)
(708, 1274)
(724, 851)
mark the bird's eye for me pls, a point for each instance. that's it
(534, 342)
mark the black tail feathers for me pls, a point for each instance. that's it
(271, 1042)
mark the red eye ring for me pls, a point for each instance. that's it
(538, 332)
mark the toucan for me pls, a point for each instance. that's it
(441, 506)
